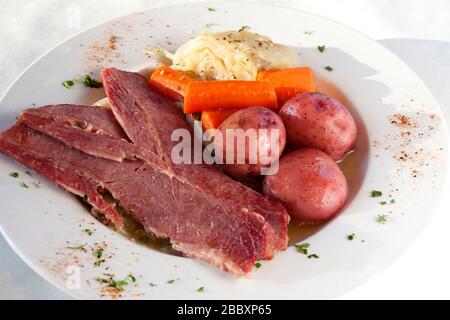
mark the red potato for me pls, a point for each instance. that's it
(315, 120)
(309, 184)
(268, 145)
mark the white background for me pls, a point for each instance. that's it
(418, 31)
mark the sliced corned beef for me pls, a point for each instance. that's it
(92, 130)
(19, 142)
(149, 120)
(197, 225)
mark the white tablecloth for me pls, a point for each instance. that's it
(417, 31)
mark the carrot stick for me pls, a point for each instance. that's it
(169, 82)
(213, 119)
(289, 82)
(228, 94)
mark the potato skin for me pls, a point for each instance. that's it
(315, 120)
(309, 184)
(253, 118)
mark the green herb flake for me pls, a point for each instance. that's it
(210, 9)
(171, 281)
(376, 193)
(29, 173)
(302, 247)
(243, 28)
(116, 284)
(89, 232)
(313, 256)
(351, 237)
(309, 32)
(392, 201)
(102, 280)
(382, 218)
(91, 83)
(132, 278)
(119, 284)
(383, 203)
(201, 289)
(78, 247)
(152, 284)
(24, 185)
(68, 84)
(14, 174)
(98, 253)
(258, 265)
(329, 68)
(321, 48)
(85, 198)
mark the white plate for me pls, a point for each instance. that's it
(375, 84)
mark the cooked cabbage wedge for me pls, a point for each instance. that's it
(231, 55)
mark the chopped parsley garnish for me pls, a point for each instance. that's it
(201, 289)
(86, 80)
(85, 198)
(329, 68)
(91, 83)
(29, 173)
(98, 253)
(152, 284)
(243, 28)
(78, 247)
(24, 185)
(14, 174)
(302, 247)
(132, 277)
(382, 218)
(117, 284)
(171, 281)
(211, 9)
(89, 232)
(309, 32)
(258, 265)
(321, 48)
(376, 193)
(68, 84)
(351, 237)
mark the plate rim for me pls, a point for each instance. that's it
(445, 180)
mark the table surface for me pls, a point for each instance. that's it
(418, 32)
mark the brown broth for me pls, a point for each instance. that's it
(135, 231)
